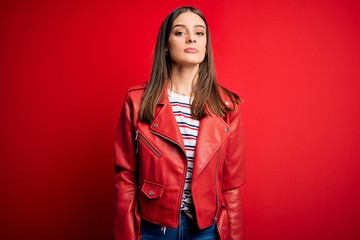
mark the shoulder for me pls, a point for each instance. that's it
(137, 90)
(231, 99)
(139, 87)
(135, 93)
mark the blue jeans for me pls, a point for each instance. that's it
(187, 230)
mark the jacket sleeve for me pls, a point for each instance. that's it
(126, 218)
(234, 176)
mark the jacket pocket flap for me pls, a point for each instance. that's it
(152, 190)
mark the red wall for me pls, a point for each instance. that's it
(64, 70)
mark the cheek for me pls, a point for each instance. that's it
(172, 47)
(203, 43)
(173, 43)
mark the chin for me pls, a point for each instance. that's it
(189, 61)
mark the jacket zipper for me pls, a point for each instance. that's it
(147, 143)
(166, 139)
(136, 138)
(216, 187)
(184, 173)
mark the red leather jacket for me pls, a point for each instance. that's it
(150, 165)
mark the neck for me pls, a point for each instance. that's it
(183, 79)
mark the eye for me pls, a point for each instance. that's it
(179, 33)
(200, 33)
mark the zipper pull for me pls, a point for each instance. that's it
(136, 136)
(137, 144)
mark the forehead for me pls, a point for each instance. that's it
(189, 19)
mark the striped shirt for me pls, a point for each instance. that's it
(189, 130)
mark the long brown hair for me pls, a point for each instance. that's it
(206, 90)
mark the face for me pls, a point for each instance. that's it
(187, 40)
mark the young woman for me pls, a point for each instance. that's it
(179, 150)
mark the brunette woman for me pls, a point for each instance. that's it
(179, 149)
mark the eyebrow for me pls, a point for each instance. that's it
(183, 25)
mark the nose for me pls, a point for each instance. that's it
(190, 38)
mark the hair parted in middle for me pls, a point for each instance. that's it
(206, 90)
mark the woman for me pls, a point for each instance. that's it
(179, 150)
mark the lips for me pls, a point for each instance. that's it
(191, 50)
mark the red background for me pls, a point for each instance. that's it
(65, 68)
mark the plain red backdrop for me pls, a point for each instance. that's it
(65, 68)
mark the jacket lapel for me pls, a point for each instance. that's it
(165, 125)
(212, 133)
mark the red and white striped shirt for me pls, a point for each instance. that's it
(189, 130)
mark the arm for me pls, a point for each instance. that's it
(126, 217)
(234, 176)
